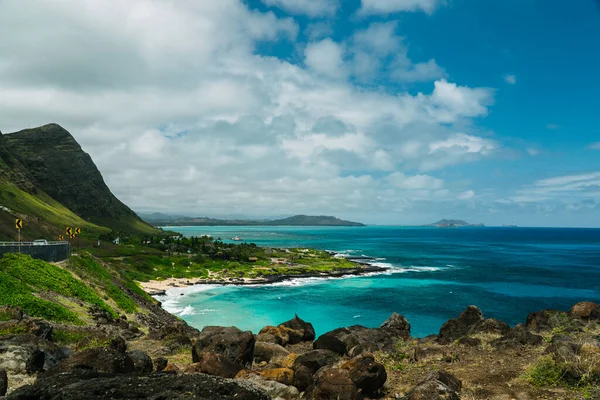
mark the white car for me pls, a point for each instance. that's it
(40, 242)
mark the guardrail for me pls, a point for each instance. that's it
(53, 251)
(32, 243)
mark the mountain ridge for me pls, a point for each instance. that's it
(296, 220)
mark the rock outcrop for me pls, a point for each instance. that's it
(438, 385)
(235, 345)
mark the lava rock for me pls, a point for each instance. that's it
(161, 364)
(397, 326)
(490, 325)
(310, 362)
(218, 365)
(91, 385)
(141, 361)
(267, 351)
(232, 343)
(99, 359)
(517, 336)
(367, 374)
(306, 328)
(585, 310)
(274, 389)
(333, 384)
(438, 385)
(3, 382)
(540, 320)
(451, 331)
(281, 375)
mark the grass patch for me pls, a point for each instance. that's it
(13, 330)
(545, 372)
(68, 337)
(89, 269)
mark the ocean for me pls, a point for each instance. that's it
(434, 275)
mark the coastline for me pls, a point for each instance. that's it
(159, 288)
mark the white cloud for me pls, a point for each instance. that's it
(378, 45)
(181, 114)
(510, 79)
(594, 146)
(393, 6)
(318, 30)
(312, 8)
(326, 58)
(567, 189)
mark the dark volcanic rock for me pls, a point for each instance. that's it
(235, 345)
(310, 362)
(141, 361)
(540, 320)
(469, 341)
(266, 351)
(297, 324)
(36, 361)
(438, 385)
(3, 382)
(342, 340)
(470, 316)
(333, 384)
(161, 363)
(218, 365)
(490, 325)
(100, 359)
(519, 335)
(397, 326)
(97, 386)
(451, 331)
(118, 344)
(367, 374)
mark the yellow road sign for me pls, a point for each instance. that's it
(19, 223)
(69, 231)
(72, 236)
(77, 231)
(61, 237)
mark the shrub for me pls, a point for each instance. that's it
(544, 372)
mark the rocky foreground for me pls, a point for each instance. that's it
(554, 355)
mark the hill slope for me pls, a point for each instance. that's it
(49, 160)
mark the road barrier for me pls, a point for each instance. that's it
(52, 251)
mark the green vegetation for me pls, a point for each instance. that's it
(90, 270)
(545, 373)
(68, 337)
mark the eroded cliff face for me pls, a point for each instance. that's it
(56, 164)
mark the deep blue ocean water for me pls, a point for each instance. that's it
(507, 272)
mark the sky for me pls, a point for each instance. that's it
(381, 111)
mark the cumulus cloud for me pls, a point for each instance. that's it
(183, 114)
(326, 57)
(510, 79)
(393, 6)
(312, 8)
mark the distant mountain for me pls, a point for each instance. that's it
(452, 223)
(49, 181)
(159, 219)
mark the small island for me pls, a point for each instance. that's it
(453, 223)
(159, 219)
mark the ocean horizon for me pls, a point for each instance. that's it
(433, 275)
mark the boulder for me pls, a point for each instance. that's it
(299, 325)
(160, 364)
(333, 384)
(342, 340)
(36, 361)
(274, 389)
(3, 382)
(540, 320)
(284, 362)
(217, 364)
(281, 375)
(470, 316)
(142, 363)
(118, 344)
(490, 325)
(310, 362)
(469, 341)
(585, 310)
(91, 385)
(438, 385)
(518, 336)
(99, 359)
(232, 343)
(451, 331)
(316, 359)
(367, 374)
(397, 326)
(267, 351)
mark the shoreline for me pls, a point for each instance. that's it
(159, 288)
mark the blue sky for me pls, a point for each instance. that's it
(385, 111)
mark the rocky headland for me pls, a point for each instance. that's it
(552, 355)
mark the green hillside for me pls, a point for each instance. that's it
(50, 182)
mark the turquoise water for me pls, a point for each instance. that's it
(435, 274)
